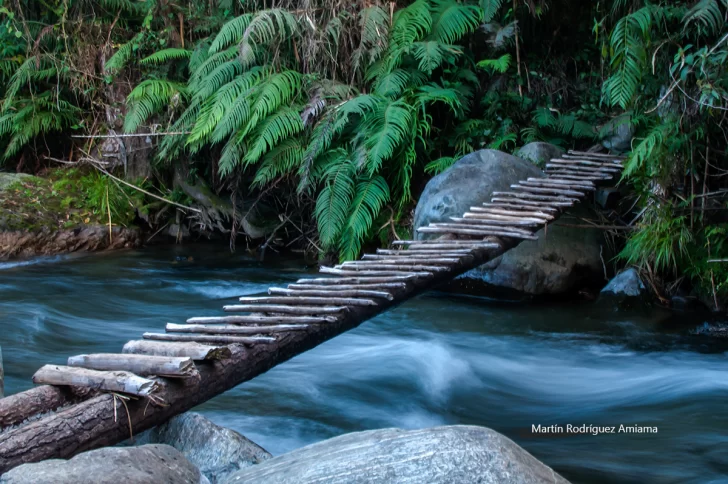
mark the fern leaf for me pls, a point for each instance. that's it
(166, 55)
(284, 123)
(371, 195)
(707, 14)
(499, 65)
(231, 33)
(122, 56)
(435, 167)
(453, 20)
(148, 98)
(490, 9)
(387, 129)
(281, 160)
(332, 204)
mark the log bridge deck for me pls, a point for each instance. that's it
(103, 399)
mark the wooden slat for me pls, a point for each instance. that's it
(142, 365)
(349, 282)
(497, 221)
(351, 273)
(209, 338)
(550, 199)
(333, 291)
(523, 206)
(285, 309)
(324, 301)
(507, 213)
(429, 258)
(483, 233)
(233, 329)
(482, 225)
(250, 319)
(392, 266)
(562, 192)
(109, 381)
(195, 351)
(429, 252)
(397, 281)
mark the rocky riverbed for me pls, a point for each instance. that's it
(190, 449)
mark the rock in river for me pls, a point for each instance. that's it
(215, 450)
(564, 259)
(454, 454)
(158, 464)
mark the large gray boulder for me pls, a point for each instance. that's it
(539, 153)
(562, 260)
(617, 134)
(455, 454)
(625, 291)
(216, 451)
(158, 464)
(469, 181)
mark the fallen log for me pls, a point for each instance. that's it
(17, 408)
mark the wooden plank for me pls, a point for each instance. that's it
(403, 256)
(284, 309)
(469, 244)
(551, 199)
(108, 381)
(232, 328)
(397, 281)
(342, 272)
(209, 338)
(402, 265)
(549, 191)
(485, 233)
(597, 155)
(195, 351)
(142, 365)
(498, 221)
(482, 225)
(555, 181)
(459, 253)
(506, 213)
(515, 205)
(250, 319)
(333, 291)
(565, 165)
(324, 301)
(351, 282)
(587, 161)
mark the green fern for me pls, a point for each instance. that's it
(371, 195)
(332, 204)
(435, 167)
(707, 14)
(148, 98)
(166, 55)
(123, 55)
(490, 9)
(500, 65)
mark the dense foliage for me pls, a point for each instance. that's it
(347, 108)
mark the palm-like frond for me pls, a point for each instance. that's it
(374, 31)
(122, 56)
(490, 9)
(148, 98)
(283, 124)
(707, 14)
(371, 195)
(231, 33)
(452, 20)
(500, 65)
(332, 205)
(166, 55)
(385, 131)
(435, 167)
(284, 159)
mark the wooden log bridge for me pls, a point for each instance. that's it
(103, 399)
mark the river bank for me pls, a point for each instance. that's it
(450, 360)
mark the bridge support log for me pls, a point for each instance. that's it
(105, 420)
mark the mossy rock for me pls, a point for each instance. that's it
(8, 179)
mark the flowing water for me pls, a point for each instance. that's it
(436, 360)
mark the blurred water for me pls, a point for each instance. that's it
(432, 361)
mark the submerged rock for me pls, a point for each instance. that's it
(564, 259)
(625, 290)
(159, 464)
(539, 153)
(454, 454)
(215, 450)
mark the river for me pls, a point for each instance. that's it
(436, 360)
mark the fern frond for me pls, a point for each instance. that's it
(371, 195)
(332, 204)
(432, 53)
(432, 93)
(148, 98)
(490, 9)
(707, 13)
(435, 167)
(284, 123)
(374, 31)
(410, 24)
(166, 55)
(385, 131)
(453, 20)
(264, 27)
(231, 33)
(281, 160)
(123, 55)
(499, 65)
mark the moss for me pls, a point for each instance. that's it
(64, 198)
